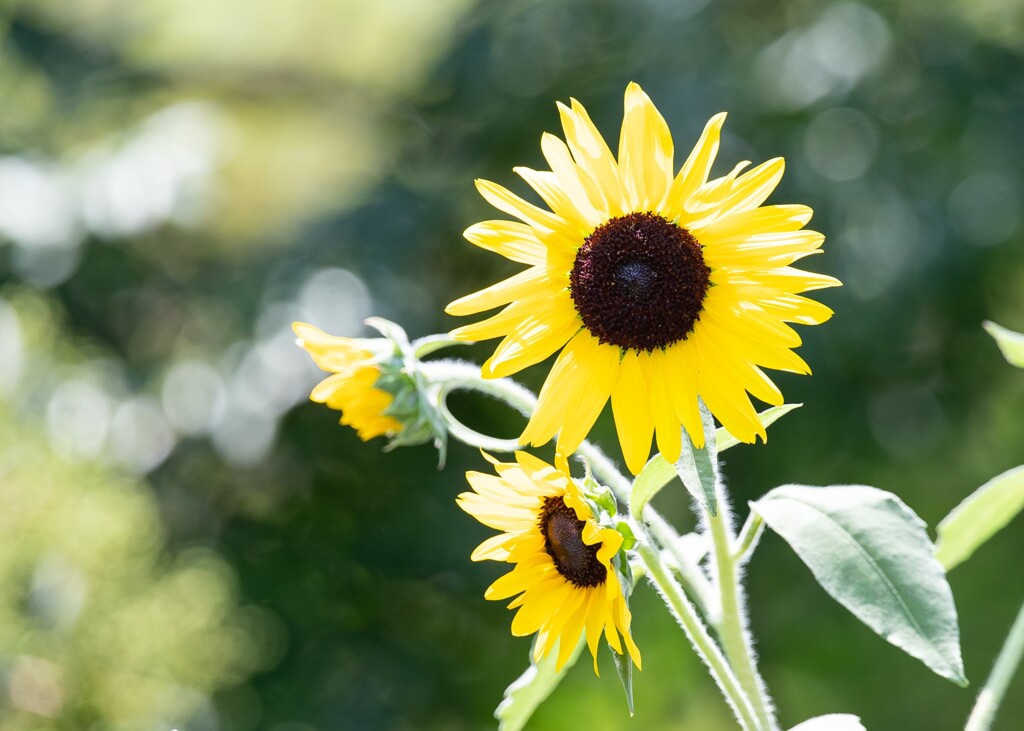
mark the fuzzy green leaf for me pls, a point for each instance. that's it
(531, 689)
(872, 554)
(986, 511)
(624, 666)
(724, 439)
(658, 472)
(1010, 343)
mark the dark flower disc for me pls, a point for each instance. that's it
(563, 540)
(639, 282)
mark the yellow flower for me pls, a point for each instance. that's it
(563, 574)
(351, 389)
(658, 288)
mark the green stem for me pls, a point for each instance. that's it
(749, 536)
(991, 695)
(686, 614)
(733, 632)
(693, 579)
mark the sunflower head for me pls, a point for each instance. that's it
(657, 287)
(352, 387)
(565, 576)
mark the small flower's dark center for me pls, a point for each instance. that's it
(563, 541)
(639, 282)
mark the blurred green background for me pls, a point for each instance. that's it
(185, 542)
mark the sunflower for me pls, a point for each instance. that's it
(563, 574)
(658, 288)
(351, 387)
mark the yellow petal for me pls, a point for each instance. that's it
(502, 323)
(696, 169)
(587, 402)
(564, 403)
(515, 241)
(645, 152)
(681, 372)
(631, 408)
(592, 154)
(532, 340)
(766, 219)
(575, 181)
(549, 188)
(508, 202)
(761, 251)
(666, 426)
(529, 282)
(752, 188)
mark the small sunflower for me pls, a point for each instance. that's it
(351, 387)
(563, 574)
(658, 287)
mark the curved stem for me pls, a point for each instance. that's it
(686, 614)
(991, 695)
(453, 375)
(470, 436)
(732, 628)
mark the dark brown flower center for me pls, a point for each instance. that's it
(563, 541)
(639, 282)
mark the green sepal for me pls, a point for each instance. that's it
(601, 496)
(392, 332)
(628, 539)
(698, 468)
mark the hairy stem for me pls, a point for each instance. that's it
(686, 614)
(991, 695)
(749, 536)
(732, 629)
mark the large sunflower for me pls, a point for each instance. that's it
(352, 387)
(659, 288)
(566, 583)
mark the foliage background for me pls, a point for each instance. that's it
(186, 543)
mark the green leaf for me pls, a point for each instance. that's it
(658, 472)
(1010, 342)
(986, 511)
(724, 440)
(698, 468)
(831, 722)
(872, 554)
(624, 666)
(531, 688)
